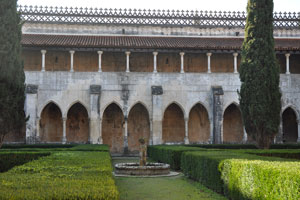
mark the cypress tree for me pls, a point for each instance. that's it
(12, 95)
(260, 96)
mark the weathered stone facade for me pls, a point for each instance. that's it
(117, 95)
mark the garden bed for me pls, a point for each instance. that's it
(76, 174)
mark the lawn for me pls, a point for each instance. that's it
(163, 188)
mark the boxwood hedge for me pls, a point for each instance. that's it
(9, 160)
(259, 179)
(170, 154)
(244, 176)
(77, 174)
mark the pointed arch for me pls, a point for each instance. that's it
(46, 104)
(108, 104)
(293, 108)
(177, 104)
(77, 129)
(75, 102)
(51, 123)
(138, 126)
(198, 125)
(233, 129)
(289, 125)
(143, 104)
(113, 128)
(202, 104)
(173, 124)
(231, 103)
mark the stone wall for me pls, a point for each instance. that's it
(51, 124)
(233, 130)
(138, 127)
(77, 125)
(108, 110)
(86, 29)
(173, 125)
(85, 61)
(142, 62)
(32, 60)
(198, 125)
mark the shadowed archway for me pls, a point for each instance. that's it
(173, 125)
(138, 127)
(112, 128)
(51, 124)
(233, 130)
(77, 124)
(289, 126)
(199, 126)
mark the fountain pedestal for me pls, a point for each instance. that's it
(142, 168)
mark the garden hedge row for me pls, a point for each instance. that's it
(9, 160)
(244, 176)
(56, 147)
(62, 175)
(170, 154)
(243, 146)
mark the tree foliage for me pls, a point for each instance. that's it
(260, 96)
(12, 95)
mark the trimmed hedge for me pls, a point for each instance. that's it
(204, 167)
(53, 148)
(243, 176)
(257, 179)
(170, 154)
(62, 175)
(25, 146)
(281, 153)
(9, 160)
(223, 146)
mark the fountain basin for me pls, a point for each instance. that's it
(135, 169)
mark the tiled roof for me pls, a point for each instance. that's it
(146, 42)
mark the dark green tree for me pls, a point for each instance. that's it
(260, 96)
(12, 95)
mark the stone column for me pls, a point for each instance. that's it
(32, 125)
(100, 60)
(157, 114)
(125, 98)
(181, 62)
(127, 61)
(208, 62)
(72, 61)
(298, 122)
(287, 63)
(235, 62)
(155, 62)
(64, 138)
(217, 103)
(245, 136)
(37, 129)
(95, 136)
(186, 126)
(43, 60)
(279, 136)
(125, 135)
(151, 132)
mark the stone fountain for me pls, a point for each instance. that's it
(142, 168)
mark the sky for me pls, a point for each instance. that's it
(213, 5)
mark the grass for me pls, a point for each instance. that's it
(162, 188)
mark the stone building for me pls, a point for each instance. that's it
(113, 76)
